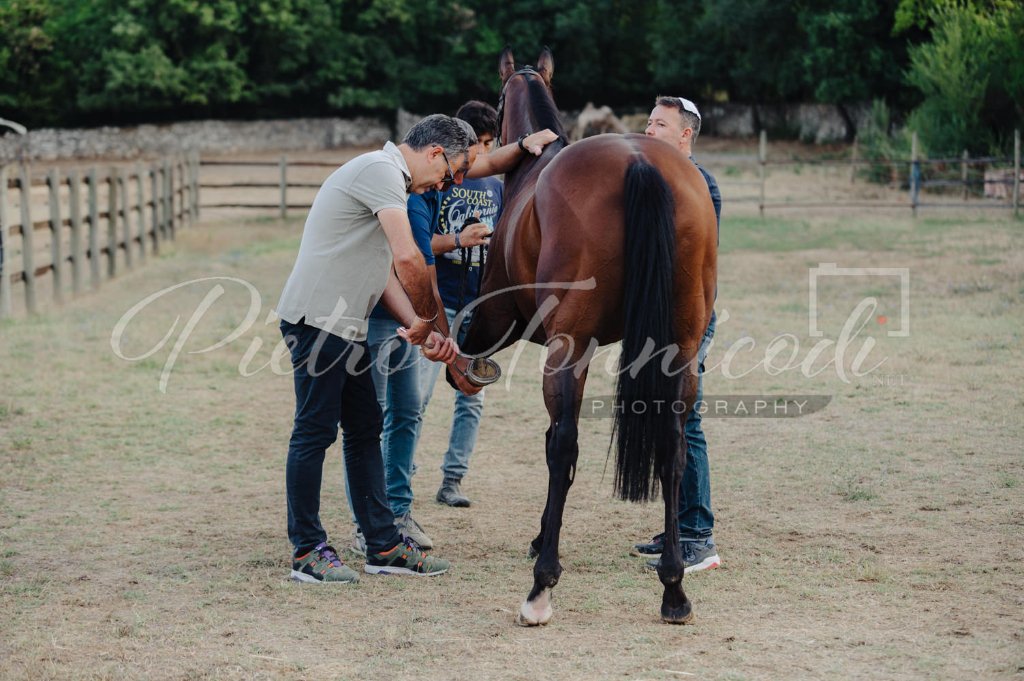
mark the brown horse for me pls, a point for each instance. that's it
(613, 238)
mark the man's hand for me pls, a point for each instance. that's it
(418, 333)
(474, 233)
(536, 142)
(440, 349)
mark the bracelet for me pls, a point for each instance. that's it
(521, 138)
(428, 321)
(457, 244)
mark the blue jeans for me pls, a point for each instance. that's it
(396, 378)
(332, 385)
(465, 422)
(696, 520)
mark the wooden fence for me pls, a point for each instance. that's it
(88, 241)
(282, 185)
(916, 182)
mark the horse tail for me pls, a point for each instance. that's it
(643, 432)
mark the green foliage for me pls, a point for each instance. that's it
(879, 141)
(88, 62)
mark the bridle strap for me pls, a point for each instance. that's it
(525, 71)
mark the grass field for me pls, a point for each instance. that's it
(142, 532)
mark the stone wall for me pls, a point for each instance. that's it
(299, 134)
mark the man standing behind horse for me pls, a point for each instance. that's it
(676, 120)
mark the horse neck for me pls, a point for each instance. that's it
(524, 176)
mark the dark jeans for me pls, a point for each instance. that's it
(332, 385)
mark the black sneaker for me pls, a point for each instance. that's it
(405, 559)
(651, 550)
(697, 556)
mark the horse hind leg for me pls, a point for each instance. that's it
(563, 391)
(676, 608)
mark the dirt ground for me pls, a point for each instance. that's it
(142, 532)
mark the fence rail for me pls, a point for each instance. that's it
(283, 185)
(173, 199)
(915, 183)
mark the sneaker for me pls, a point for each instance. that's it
(405, 559)
(451, 493)
(651, 550)
(413, 531)
(697, 556)
(322, 565)
(358, 545)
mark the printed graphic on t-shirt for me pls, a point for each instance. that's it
(479, 198)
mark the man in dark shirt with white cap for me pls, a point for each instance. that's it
(676, 120)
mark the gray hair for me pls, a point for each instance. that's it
(688, 119)
(470, 133)
(438, 130)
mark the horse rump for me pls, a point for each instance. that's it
(643, 427)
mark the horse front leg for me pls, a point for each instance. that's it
(562, 393)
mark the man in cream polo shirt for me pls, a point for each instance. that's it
(357, 248)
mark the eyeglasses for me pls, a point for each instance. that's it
(450, 177)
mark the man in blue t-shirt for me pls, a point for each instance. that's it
(676, 120)
(468, 214)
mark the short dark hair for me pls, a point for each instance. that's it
(481, 115)
(689, 119)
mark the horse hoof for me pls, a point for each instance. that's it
(678, 616)
(529, 617)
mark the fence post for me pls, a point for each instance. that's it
(140, 175)
(27, 252)
(963, 173)
(913, 174)
(129, 245)
(763, 156)
(185, 186)
(5, 245)
(112, 223)
(75, 202)
(853, 160)
(169, 179)
(284, 186)
(1016, 173)
(94, 229)
(195, 184)
(56, 227)
(155, 207)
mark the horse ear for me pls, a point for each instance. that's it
(546, 65)
(506, 64)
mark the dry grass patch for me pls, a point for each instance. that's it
(142, 533)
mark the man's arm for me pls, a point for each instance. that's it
(412, 273)
(508, 157)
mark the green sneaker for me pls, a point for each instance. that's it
(405, 559)
(322, 565)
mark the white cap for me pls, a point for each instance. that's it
(691, 107)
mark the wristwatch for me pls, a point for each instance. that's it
(521, 138)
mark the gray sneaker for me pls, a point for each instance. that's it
(322, 566)
(358, 545)
(413, 531)
(697, 555)
(451, 493)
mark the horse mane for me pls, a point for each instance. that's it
(545, 112)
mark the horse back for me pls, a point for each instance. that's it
(579, 209)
